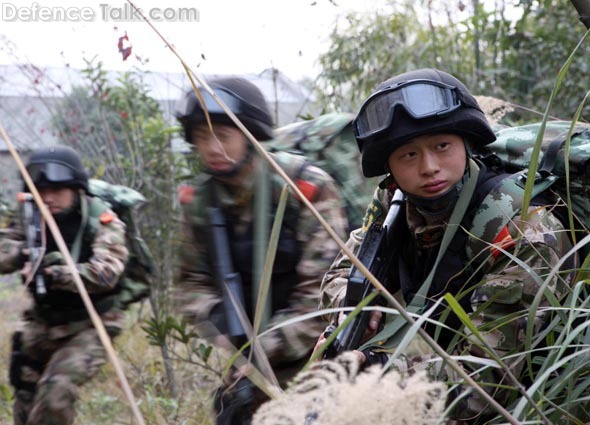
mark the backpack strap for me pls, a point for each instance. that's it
(91, 208)
(502, 203)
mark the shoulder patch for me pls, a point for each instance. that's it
(309, 189)
(106, 217)
(502, 240)
(186, 194)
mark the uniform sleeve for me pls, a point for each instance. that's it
(333, 288)
(318, 252)
(501, 302)
(194, 293)
(106, 264)
(11, 246)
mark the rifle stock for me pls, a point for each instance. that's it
(375, 254)
(33, 228)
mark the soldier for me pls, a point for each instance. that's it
(231, 174)
(421, 128)
(58, 349)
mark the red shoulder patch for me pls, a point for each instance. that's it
(503, 240)
(309, 190)
(106, 217)
(186, 194)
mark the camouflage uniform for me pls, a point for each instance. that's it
(58, 349)
(296, 275)
(501, 288)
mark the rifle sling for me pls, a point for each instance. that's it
(77, 245)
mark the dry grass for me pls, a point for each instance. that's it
(13, 300)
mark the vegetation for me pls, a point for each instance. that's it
(513, 52)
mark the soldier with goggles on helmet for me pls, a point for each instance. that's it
(231, 174)
(58, 349)
(420, 129)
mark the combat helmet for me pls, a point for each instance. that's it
(242, 97)
(57, 166)
(413, 104)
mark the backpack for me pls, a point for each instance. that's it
(328, 143)
(136, 280)
(514, 147)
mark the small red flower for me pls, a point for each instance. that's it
(124, 115)
(124, 46)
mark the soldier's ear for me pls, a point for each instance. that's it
(470, 148)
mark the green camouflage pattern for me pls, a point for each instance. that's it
(125, 201)
(56, 359)
(63, 358)
(195, 292)
(505, 289)
(117, 196)
(328, 142)
(514, 145)
(100, 273)
(498, 208)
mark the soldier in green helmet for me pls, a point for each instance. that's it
(58, 350)
(231, 180)
(422, 130)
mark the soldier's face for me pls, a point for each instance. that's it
(430, 165)
(57, 199)
(219, 151)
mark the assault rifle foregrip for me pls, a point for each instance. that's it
(33, 228)
(228, 280)
(376, 256)
(229, 405)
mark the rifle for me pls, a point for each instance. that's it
(33, 228)
(229, 405)
(376, 254)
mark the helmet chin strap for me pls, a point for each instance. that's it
(233, 171)
(438, 205)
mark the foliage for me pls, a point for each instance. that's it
(512, 52)
(124, 139)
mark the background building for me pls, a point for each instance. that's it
(29, 94)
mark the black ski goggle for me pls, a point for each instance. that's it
(51, 171)
(235, 103)
(420, 99)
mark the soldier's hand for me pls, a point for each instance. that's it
(26, 270)
(373, 326)
(239, 373)
(321, 340)
(370, 332)
(53, 259)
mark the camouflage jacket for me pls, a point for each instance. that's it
(502, 288)
(100, 267)
(196, 293)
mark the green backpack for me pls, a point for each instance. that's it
(328, 143)
(124, 201)
(514, 147)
